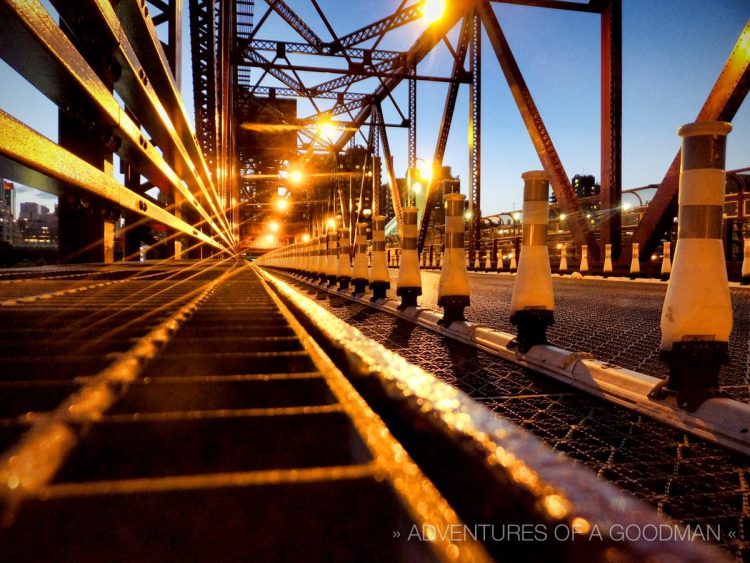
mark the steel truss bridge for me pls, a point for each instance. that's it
(133, 389)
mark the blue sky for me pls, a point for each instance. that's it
(673, 51)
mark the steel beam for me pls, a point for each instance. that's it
(445, 127)
(540, 137)
(723, 101)
(32, 159)
(297, 48)
(297, 24)
(610, 230)
(391, 174)
(411, 142)
(381, 27)
(475, 133)
(593, 6)
(203, 44)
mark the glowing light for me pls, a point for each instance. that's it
(282, 204)
(516, 216)
(305, 238)
(424, 169)
(295, 176)
(468, 215)
(273, 226)
(326, 130)
(559, 245)
(588, 215)
(331, 223)
(417, 187)
(433, 10)
(563, 216)
(626, 206)
(270, 239)
(654, 257)
(367, 212)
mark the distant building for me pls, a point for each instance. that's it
(8, 231)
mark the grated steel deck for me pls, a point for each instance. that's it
(616, 321)
(690, 480)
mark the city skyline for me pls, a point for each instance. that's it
(672, 54)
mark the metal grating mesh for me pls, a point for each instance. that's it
(617, 322)
(688, 479)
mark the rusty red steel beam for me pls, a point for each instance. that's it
(610, 228)
(579, 227)
(722, 104)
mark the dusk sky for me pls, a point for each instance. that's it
(673, 51)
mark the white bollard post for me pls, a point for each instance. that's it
(409, 284)
(635, 265)
(488, 261)
(584, 259)
(607, 269)
(380, 280)
(666, 262)
(513, 263)
(321, 259)
(563, 261)
(332, 257)
(344, 268)
(359, 277)
(476, 261)
(453, 287)
(746, 263)
(532, 302)
(697, 316)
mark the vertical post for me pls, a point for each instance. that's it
(475, 123)
(344, 270)
(412, 141)
(532, 302)
(697, 316)
(409, 285)
(666, 262)
(611, 126)
(380, 280)
(359, 276)
(332, 255)
(453, 287)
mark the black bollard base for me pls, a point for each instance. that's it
(408, 297)
(343, 283)
(694, 368)
(453, 308)
(745, 280)
(532, 327)
(322, 278)
(360, 285)
(379, 290)
(331, 280)
(635, 276)
(664, 277)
